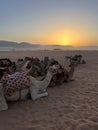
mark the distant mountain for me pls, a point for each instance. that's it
(25, 45)
(9, 45)
(15, 44)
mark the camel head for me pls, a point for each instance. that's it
(54, 69)
(27, 58)
(73, 63)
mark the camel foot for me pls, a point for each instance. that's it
(3, 108)
(42, 91)
(71, 80)
(3, 105)
(37, 96)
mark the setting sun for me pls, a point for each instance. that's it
(66, 37)
(65, 41)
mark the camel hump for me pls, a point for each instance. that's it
(15, 82)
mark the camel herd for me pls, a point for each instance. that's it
(31, 76)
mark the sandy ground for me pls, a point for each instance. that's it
(71, 106)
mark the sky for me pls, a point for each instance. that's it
(61, 22)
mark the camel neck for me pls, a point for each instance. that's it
(47, 79)
(72, 69)
(71, 72)
(20, 65)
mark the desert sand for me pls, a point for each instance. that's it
(71, 106)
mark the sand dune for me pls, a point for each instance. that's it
(71, 106)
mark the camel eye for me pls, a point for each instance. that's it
(51, 69)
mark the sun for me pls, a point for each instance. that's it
(64, 41)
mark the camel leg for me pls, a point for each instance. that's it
(18, 95)
(70, 74)
(70, 77)
(35, 95)
(35, 88)
(13, 97)
(39, 86)
(3, 103)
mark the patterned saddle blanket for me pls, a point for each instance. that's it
(15, 82)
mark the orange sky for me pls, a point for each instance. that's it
(62, 22)
(69, 36)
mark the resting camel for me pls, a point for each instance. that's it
(12, 67)
(36, 65)
(63, 75)
(76, 59)
(21, 64)
(18, 85)
(5, 62)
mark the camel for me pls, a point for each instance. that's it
(5, 62)
(37, 69)
(12, 67)
(76, 59)
(63, 75)
(21, 64)
(36, 88)
(33, 71)
(69, 74)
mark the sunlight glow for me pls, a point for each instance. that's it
(67, 37)
(65, 41)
